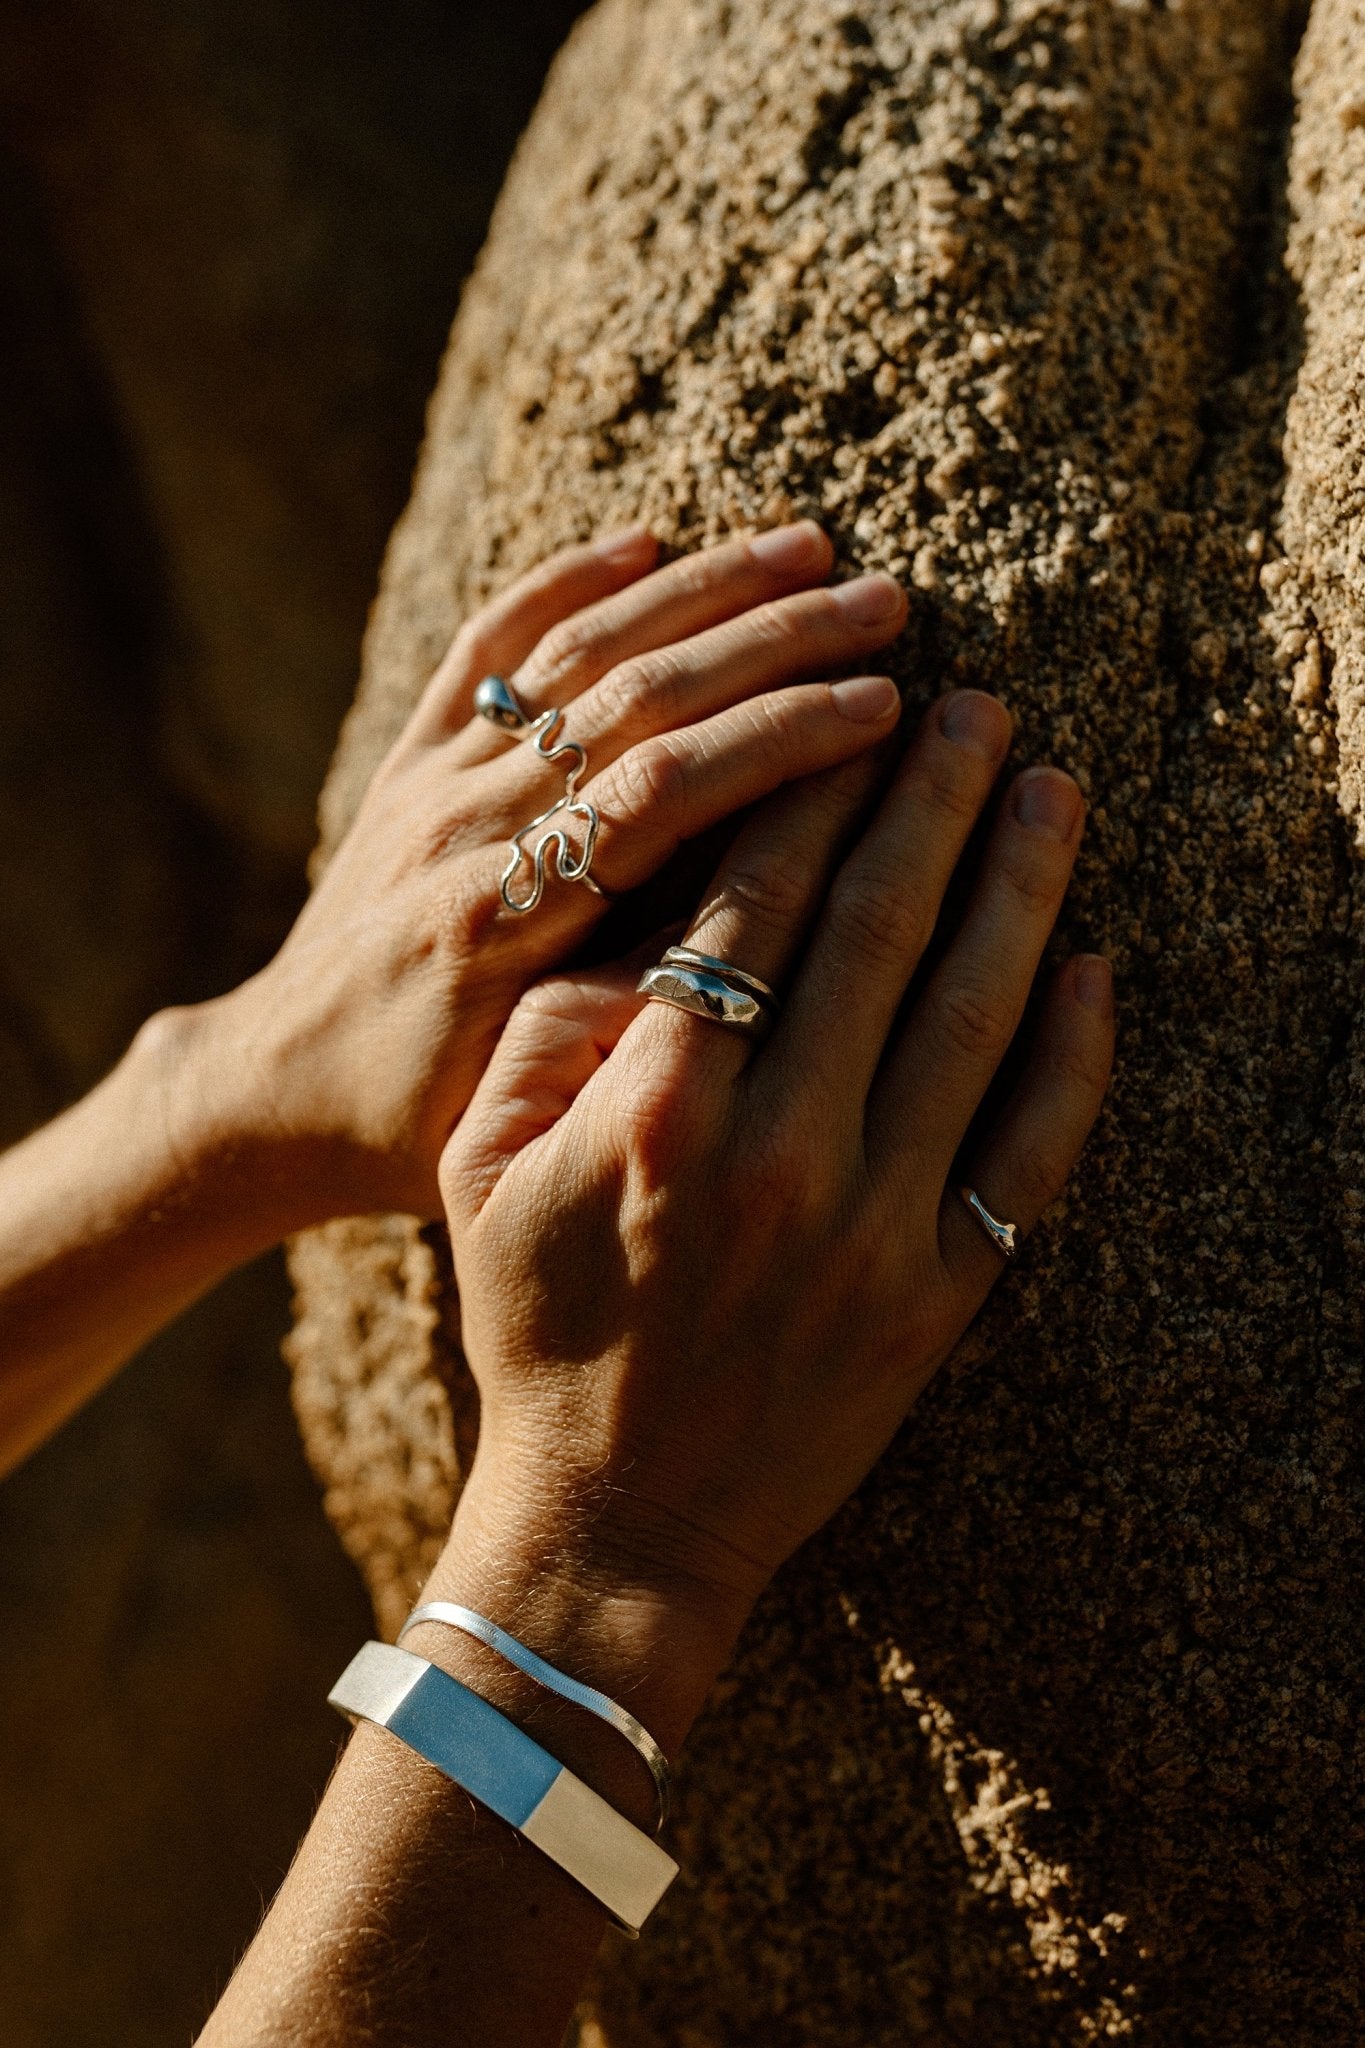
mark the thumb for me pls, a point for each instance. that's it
(553, 1043)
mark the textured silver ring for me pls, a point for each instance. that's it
(704, 994)
(498, 702)
(688, 956)
(1002, 1235)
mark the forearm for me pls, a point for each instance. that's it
(119, 1214)
(411, 1915)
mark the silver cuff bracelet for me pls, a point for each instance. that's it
(497, 1639)
(498, 1764)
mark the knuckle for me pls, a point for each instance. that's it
(1082, 1071)
(944, 788)
(662, 1123)
(464, 650)
(974, 1020)
(563, 648)
(767, 887)
(1032, 876)
(779, 626)
(874, 918)
(1035, 1177)
(900, 1281)
(783, 1181)
(466, 919)
(542, 999)
(651, 777)
(779, 722)
(648, 683)
(693, 576)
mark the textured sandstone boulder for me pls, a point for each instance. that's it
(1053, 1737)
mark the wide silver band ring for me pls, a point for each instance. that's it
(705, 994)
(688, 956)
(498, 702)
(1003, 1236)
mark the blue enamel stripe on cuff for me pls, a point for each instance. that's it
(450, 1615)
(496, 1762)
(476, 1746)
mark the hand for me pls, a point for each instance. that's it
(347, 1062)
(702, 1281)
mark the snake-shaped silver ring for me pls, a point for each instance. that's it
(497, 701)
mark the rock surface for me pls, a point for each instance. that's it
(1054, 1735)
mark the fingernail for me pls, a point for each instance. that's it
(1047, 802)
(865, 698)
(971, 719)
(790, 550)
(869, 600)
(1095, 984)
(624, 546)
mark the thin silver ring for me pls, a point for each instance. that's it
(1002, 1235)
(706, 995)
(498, 702)
(572, 1689)
(688, 956)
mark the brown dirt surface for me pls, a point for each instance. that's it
(1051, 307)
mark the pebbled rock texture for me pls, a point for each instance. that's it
(1052, 307)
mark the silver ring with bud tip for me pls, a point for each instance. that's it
(1004, 1236)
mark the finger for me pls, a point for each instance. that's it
(673, 787)
(882, 907)
(684, 598)
(964, 1021)
(678, 785)
(676, 686)
(1024, 1163)
(551, 1046)
(501, 636)
(764, 897)
(767, 892)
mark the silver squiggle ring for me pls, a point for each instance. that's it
(497, 701)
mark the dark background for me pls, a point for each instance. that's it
(234, 233)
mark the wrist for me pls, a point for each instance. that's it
(575, 1587)
(194, 1065)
